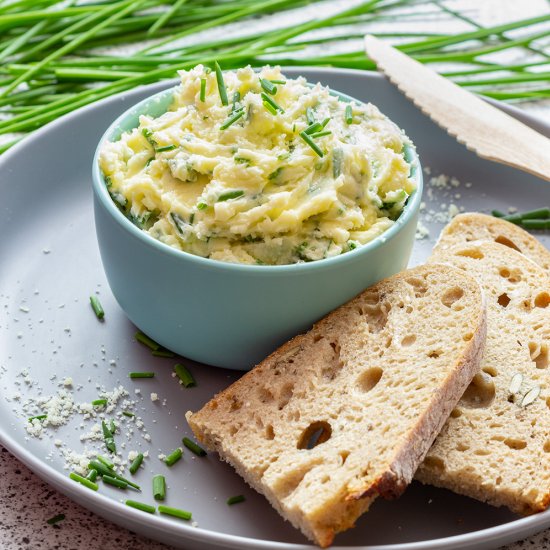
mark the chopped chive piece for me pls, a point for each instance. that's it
(96, 306)
(146, 341)
(163, 352)
(173, 457)
(193, 447)
(159, 487)
(232, 119)
(235, 500)
(497, 214)
(112, 426)
(105, 461)
(83, 481)
(108, 437)
(148, 135)
(312, 128)
(310, 116)
(92, 474)
(538, 214)
(136, 463)
(536, 224)
(272, 102)
(321, 134)
(184, 375)
(270, 108)
(99, 402)
(349, 114)
(102, 470)
(202, 95)
(37, 417)
(281, 82)
(128, 414)
(312, 144)
(230, 195)
(166, 148)
(140, 506)
(236, 99)
(337, 158)
(55, 519)
(142, 375)
(175, 512)
(201, 206)
(325, 122)
(276, 173)
(221, 84)
(115, 482)
(268, 86)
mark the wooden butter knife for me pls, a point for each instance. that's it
(482, 128)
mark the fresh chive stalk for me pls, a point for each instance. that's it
(173, 457)
(221, 84)
(96, 306)
(115, 482)
(141, 506)
(193, 447)
(185, 376)
(146, 341)
(141, 375)
(136, 463)
(536, 224)
(235, 500)
(83, 481)
(175, 512)
(159, 487)
(108, 437)
(538, 214)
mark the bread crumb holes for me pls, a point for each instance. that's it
(368, 379)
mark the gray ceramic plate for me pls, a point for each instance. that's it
(50, 266)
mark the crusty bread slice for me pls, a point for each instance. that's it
(347, 411)
(495, 446)
(473, 226)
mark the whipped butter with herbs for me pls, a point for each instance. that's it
(255, 168)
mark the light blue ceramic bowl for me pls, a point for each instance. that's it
(224, 314)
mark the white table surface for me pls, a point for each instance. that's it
(26, 502)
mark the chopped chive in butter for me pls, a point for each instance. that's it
(321, 134)
(268, 86)
(269, 107)
(337, 158)
(232, 119)
(201, 206)
(202, 95)
(272, 102)
(348, 114)
(312, 144)
(166, 148)
(310, 116)
(221, 84)
(230, 195)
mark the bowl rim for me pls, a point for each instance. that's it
(100, 191)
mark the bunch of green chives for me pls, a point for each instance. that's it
(53, 61)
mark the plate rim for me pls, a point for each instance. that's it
(114, 510)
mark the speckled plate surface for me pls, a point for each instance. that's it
(50, 266)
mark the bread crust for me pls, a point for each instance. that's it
(494, 449)
(364, 375)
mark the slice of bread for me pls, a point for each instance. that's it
(472, 226)
(346, 412)
(495, 446)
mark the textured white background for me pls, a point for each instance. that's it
(26, 502)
